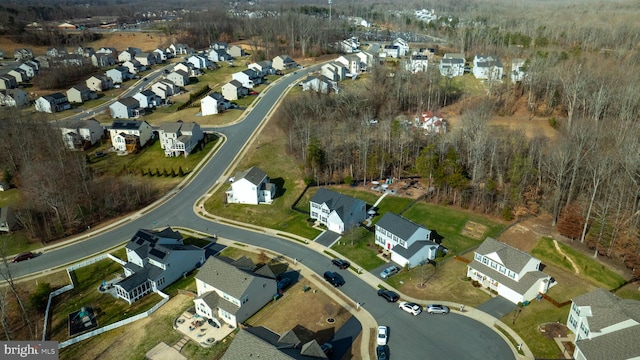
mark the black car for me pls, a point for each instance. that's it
(383, 352)
(334, 278)
(389, 295)
(342, 264)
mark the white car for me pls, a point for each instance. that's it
(411, 308)
(383, 334)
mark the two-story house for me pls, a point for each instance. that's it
(213, 103)
(125, 108)
(264, 67)
(14, 97)
(146, 59)
(134, 66)
(119, 74)
(233, 90)
(251, 186)
(339, 213)
(80, 134)
(283, 62)
(320, 84)
(164, 89)
(403, 46)
(155, 260)
(179, 138)
(179, 77)
(517, 70)
(99, 83)
(452, 65)
(417, 63)
(236, 51)
(408, 243)
(147, 99)
(52, 103)
(512, 273)
(199, 61)
(334, 71)
(605, 326)
(80, 93)
(487, 67)
(102, 60)
(130, 135)
(352, 62)
(232, 291)
(218, 55)
(248, 78)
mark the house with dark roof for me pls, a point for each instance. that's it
(264, 67)
(339, 213)
(80, 93)
(392, 51)
(248, 78)
(283, 62)
(80, 134)
(7, 219)
(155, 260)
(179, 138)
(130, 135)
(251, 186)
(99, 83)
(512, 273)
(408, 243)
(213, 103)
(261, 342)
(13, 97)
(319, 83)
(232, 291)
(52, 103)
(147, 99)
(179, 77)
(605, 326)
(452, 65)
(487, 67)
(217, 55)
(233, 90)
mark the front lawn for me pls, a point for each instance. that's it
(358, 246)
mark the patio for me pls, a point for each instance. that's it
(199, 329)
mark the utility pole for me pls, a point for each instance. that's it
(329, 10)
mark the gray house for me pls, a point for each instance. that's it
(261, 342)
(13, 97)
(339, 213)
(408, 243)
(7, 219)
(179, 77)
(155, 260)
(179, 138)
(125, 108)
(119, 74)
(80, 134)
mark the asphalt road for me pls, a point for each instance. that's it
(421, 337)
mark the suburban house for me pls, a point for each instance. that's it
(44, 61)
(263, 68)
(232, 291)
(235, 51)
(283, 62)
(403, 46)
(73, 60)
(164, 89)
(134, 66)
(320, 84)
(179, 138)
(408, 243)
(452, 65)
(431, 123)
(99, 83)
(3, 54)
(417, 63)
(146, 58)
(20, 75)
(126, 55)
(30, 68)
(178, 49)
(125, 108)
(52, 103)
(119, 74)
(80, 134)
(392, 51)
(160, 55)
(352, 62)
(217, 55)
(155, 260)
(248, 78)
(334, 71)
(7, 219)
(80, 93)
(605, 326)
(56, 52)
(199, 61)
(487, 67)
(219, 45)
(517, 72)
(179, 77)
(261, 342)
(251, 186)
(130, 135)
(349, 45)
(103, 60)
(22, 54)
(14, 97)
(366, 60)
(147, 99)
(339, 213)
(233, 90)
(8, 81)
(512, 273)
(86, 51)
(108, 50)
(213, 103)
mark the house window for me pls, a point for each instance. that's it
(485, 260)
(245, 299)
(494, 265)
(478, 257)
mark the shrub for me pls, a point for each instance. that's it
(40, 297)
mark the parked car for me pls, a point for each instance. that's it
(24, 256)
(383, 335)
(253, 93)
(390, 271)
(283, 284)
(382, 351)
(388, 295)
(342, 264)
(412, 308)
(437, 309)
(145, 79)
(334, 278)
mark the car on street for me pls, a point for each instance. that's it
(437, 309)
(390, 271)
(334, 278)
(382, 351)
(23, 256)
(283, 284)
(383, 335)
(388, 295)
(412, 308)
(145, 79)
(342, 264)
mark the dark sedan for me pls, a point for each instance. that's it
(342, 264)
(388, 295)
(334, 278)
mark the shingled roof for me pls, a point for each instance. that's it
(398, 225)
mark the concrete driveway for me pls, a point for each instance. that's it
(497, 307)
(327, 238)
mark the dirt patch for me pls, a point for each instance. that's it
(553, 330)
(474, 230)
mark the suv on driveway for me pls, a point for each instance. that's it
(388, 295)
(391, 270)
(334, 278)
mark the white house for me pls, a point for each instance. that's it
(119, 74)
(352, 62)
(366, 60)
(452, 65)
(155, 260)
(125, 108)
(80, 134)
(178, 49)
(179, 138)
(392, 51)
(126, 55)
(52, 103)
(263, 68)
(408, 243)
(417, 63)
(517, 70)
(487, 67)
(320, 84)
(513, 274)
(103, 60)
(147, 99)
(605, 326)
(283, 62)
(233, 90)
(251, 186)
(248, 78)
(7, 219)
(130, 135)
(160, 55)
(339, 213)
(217, 55)
(30, 68)
(134, 66)
(14, 97)
(235, 51)
(431, 123)
(334, 71)
(231, 292)
(199, 62)
(403, 46)
(213, 103)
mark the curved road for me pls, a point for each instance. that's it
(420, 337)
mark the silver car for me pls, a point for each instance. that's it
(437, 309)
(391, 270)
